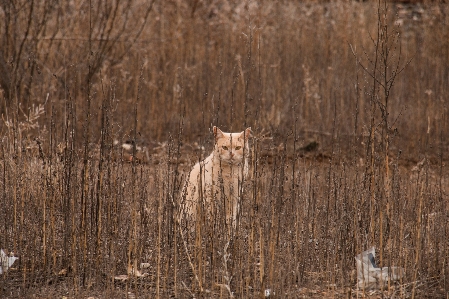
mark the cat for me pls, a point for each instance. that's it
(217, 180)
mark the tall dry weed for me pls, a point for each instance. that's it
(338, 162)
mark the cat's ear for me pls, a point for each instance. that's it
(217, 132)
(246, 133)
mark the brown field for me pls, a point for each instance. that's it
(348, 104)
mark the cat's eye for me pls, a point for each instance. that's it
(237, 148)
(224, 147)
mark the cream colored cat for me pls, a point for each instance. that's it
(217, 180)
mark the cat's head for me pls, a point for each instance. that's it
(231, 147)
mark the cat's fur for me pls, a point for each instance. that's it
(218, 177)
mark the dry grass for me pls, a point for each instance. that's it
(342, 159)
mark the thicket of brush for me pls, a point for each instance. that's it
(348, 106)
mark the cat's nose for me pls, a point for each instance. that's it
(232, 154)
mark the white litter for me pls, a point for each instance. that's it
(6, 261)
(268, 293)
(372, 277)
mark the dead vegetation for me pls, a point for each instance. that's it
(106, 106)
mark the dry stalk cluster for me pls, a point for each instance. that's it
(347, 102)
